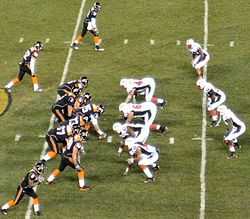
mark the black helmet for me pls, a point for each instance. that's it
(84, 81)
(40, 166)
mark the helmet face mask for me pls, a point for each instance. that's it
(117, 127)
(38, 45)
(39, 167)
(97, 6)
(84, 81)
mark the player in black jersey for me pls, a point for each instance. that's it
(56, 139)
(71, 157)
(28, 65)
(89, 25)
(65, 107)
(73, 88)
(33, 178)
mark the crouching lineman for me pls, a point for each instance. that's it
(138, 131)
(200, 57)
(71, 157)
(33, 178)
(236, 129)
(146, 111)
(215, 98)
(73, 88)
(89, 25)
(146, 156)
(28, 65)
(143, 87)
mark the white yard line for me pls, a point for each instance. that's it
(152, 42)
(125, 41)
(21, 40)
(204, 127)
(64, 75)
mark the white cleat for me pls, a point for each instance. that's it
(38, 90)
(99, 49)
(74, 46)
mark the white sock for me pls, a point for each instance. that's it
(81, 182)
(36, 207)
(148, 173)
(46, 157)
(5, 206)
(51, 178)
(9, 85)
(159, 100)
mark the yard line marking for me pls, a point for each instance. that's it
(204, 126)
(199, 139)
(125, 41)
(67, 42)
(178, 42)
(171, 140)
(231, 43)
(152, 42)
(47, 40)
(18, 137)
(64, 74)
(21, 40)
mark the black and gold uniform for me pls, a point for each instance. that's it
(89, 25)
(74, 87)
(71, 157)
(28, 65)
(56, 139)
(33, 178)
(64, 107)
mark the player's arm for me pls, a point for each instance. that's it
(130, 117)
(130, 96)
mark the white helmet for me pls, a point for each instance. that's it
(123, 82)
(222, 109)
(117, 127)
(189, 42)
(130, 142)
(201, 83)
(122, 107)
(208, 87)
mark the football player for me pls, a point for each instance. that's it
(28, 65)
(89, 25)
(236, 129)
(65, 107)
(71, 157)
(73, 88)
(33, 178)
(200, 57)
(143, 87)
(146, 111)
(56, 139)
(138, 131)
(93, 112)
(146, 156)
(215, 98)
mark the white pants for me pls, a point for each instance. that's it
(149, 92)
(143, 136)
(235, 132)
(148, 160)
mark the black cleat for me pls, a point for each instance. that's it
(4, 211)
(163, 128)
(37, 213)
(149, 180)
(232, 155)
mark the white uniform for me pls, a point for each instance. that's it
(145, 110)
(200, 56)
(149, 154)
(141, 132)
(215, 97)
(144, 87)
(238, 127)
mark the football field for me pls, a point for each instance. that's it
(141, 38)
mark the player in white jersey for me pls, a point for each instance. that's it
(215, 98)
(146, 156)
(28, 65)
(89, 25)
(146, 111)
(200, 57)
(236, 129)
(138, 131)
(141, 87)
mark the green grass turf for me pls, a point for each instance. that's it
(176, 193)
